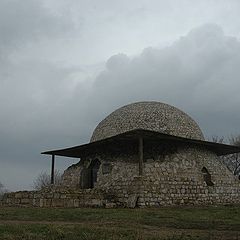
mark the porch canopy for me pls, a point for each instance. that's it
(135, 135)
(138, 136)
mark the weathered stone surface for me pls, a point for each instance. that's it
(172, 173)
(155, 116)
(132, 201)
(75, 198)
(110, 205)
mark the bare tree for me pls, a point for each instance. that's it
(217, 139)
(232, 161)
(2, 190)
(43, 180)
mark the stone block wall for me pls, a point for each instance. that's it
(56, 198)
(172, 178)
(179, 180)
(71, 176)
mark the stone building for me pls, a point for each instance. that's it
(143, 154)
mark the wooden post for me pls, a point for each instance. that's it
(140, 150)
(52, 170)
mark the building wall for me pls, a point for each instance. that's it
(71, 176)
(171, 176)
(179, 180)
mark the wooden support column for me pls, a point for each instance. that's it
(140, 152)
(52, 170)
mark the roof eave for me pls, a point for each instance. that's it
(218, 148)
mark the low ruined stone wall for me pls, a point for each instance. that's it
(55, 198)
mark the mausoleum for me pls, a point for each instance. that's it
(145, 154)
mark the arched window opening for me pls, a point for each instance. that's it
(207, 177)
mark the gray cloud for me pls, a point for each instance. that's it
(22, 22)
(198, 73)
(49, 103)
(27, 85)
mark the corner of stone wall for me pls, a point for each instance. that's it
(71, 176)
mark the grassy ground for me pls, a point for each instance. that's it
(95, 223)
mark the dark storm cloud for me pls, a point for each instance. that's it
(48, 104)
(21, 22)
(198, 73)
(27, 86)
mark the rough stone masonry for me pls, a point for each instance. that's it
(172, 166)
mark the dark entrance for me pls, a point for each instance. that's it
(89, 175)
(207, 177)
(93, 169)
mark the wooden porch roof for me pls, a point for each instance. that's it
(133, 135)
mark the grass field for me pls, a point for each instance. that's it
(95, 223)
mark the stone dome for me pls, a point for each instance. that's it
(154, 116)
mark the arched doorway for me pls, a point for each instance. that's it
(93, 170)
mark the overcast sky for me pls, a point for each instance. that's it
(66, 64)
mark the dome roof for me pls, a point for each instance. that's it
(154, 116)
